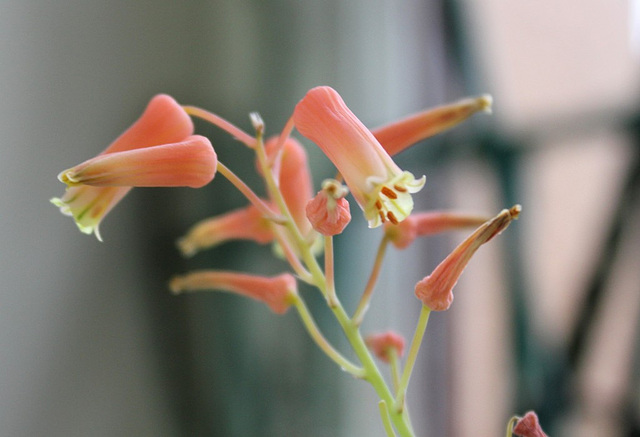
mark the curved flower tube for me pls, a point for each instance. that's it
(163, 122)
(278, 292)
(380, 187)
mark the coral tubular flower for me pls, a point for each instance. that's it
(380, 187)
(428, 223)
(245, 224)
(278, 292)
(382, 344)
(190, 163)
(436, 290)
(163, 122)
(329, 211)
(294, 180)
(529, 426)
(400, 135)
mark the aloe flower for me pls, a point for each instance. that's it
(380, 187)
(428, 223)
(401, 134)
(436, 290)
(329, 211)
(245, 224)
(382, 344)
(294, 180)
(163, 122)
(278, 292)
(190, 163)
(529, 426)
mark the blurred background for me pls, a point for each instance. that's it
(545, 317)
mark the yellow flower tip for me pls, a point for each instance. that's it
(485, 103)
(69, 178)
(391, 201)
(187, 247)
(514, 212)
(175, 285)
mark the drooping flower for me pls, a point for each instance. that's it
(245, 223)
(382, 344)
(529, 426)
(380, 187)
(329, 211)
(189, 163)
(163, 122)
(291, 167)
(436, 290)
(277, 291)
(400, 135)
(428, 223)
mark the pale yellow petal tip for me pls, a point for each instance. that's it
(175, 286)
(187, 247)
(68, 177)
(485, 103)
(514, 211)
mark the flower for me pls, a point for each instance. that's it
(294, 180)
(277, 291)
(380, 187)
(529, 426)
(382, 344)
(245, 223)
(435, 290)
(428, 223)
(190, 163)
(163, 122)
(398, 136)
(329, 211)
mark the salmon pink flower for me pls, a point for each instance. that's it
(163, 122)
(382, 344)
(379, 186)
(245, 223)
(436, 290)
(329, 211)
(529, 426)
(398, 136)
(190, 163)
(291, 167)
(277, 292)
(428, 223)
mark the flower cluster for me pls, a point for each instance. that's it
(160, 149)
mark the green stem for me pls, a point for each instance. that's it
(372, 374)
(321, 341)
(244, 189)
(223, 124)
(332, 298)
(510, 424)
(411, 358)
(386, 420)
(363, 305)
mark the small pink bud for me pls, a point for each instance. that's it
(276, 291)
(436, 290)
(329, 211)
(529, 426)
(382, 344)
(428, 223)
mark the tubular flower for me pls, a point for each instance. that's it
(428, 223)
(190, 163)
(163, 122)
(529, 426)
(400, 135)
(329, 211)
(245, 223)
(380, 187)
(277, 292)
(436, 290)
(382, 344)
(294, 180)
